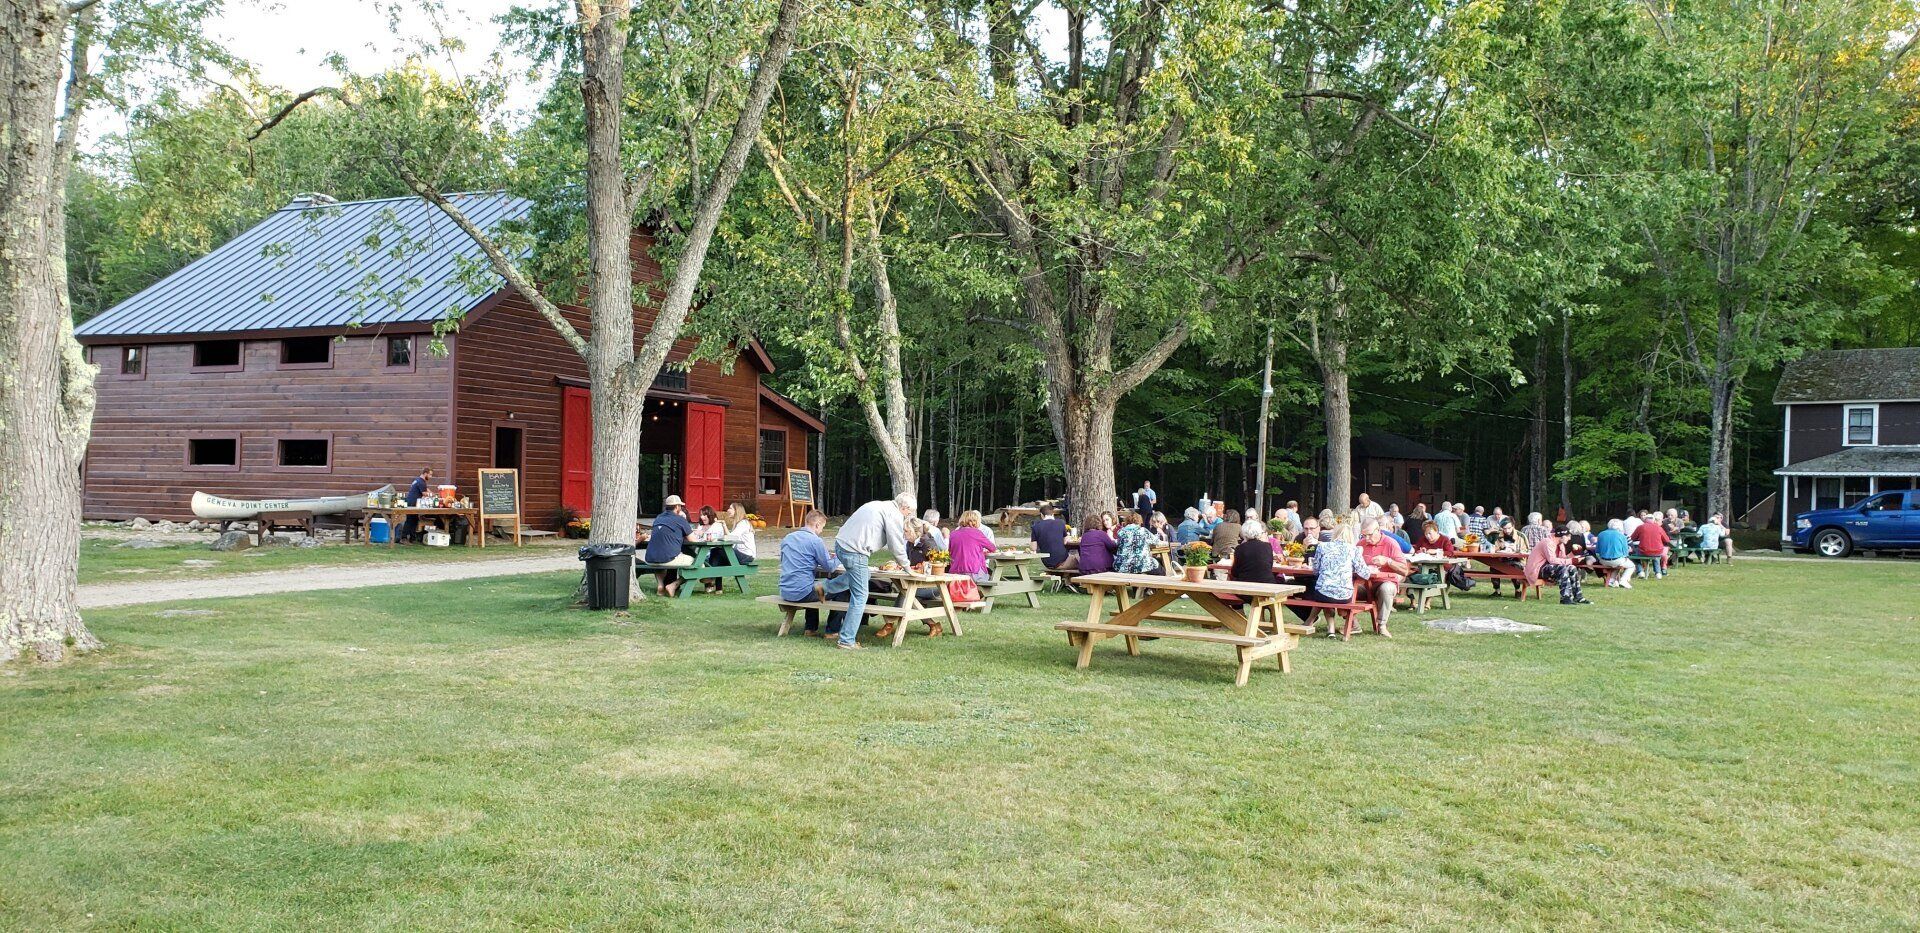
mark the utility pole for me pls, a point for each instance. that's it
(1266, 407)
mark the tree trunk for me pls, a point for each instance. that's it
(1723, 389)
(1336, 406)
(47, 389)
(1087, 441)
(1266, 415)
(1566, 404)
(1537, 431)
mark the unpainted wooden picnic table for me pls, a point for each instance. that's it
(1013, 573)
(1253, 626)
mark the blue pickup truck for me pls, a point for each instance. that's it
(1889, 521)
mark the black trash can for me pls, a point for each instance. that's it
(609, 574)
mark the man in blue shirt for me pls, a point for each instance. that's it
(1190, 530)
(410, 528)
(667, 545)
(1610, 550)
(803, 562)
(1049, 536)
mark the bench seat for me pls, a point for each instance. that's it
(791, 606)
(1347, 611)
(1250, 648)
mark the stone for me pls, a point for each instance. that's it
(139, 523)
(289, 540)
(142, 544)
(1484, 625)
(232, 541)
(167, 526)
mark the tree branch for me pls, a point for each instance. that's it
(294, 104)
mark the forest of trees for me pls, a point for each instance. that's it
(1572, 242)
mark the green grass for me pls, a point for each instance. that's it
(1732, 748)
(102, 560)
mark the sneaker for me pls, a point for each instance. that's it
(1583, 601)
(1566, 602)
(843, 646)
(1626, 584)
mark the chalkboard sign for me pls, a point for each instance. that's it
(799, 493)
(499, 498)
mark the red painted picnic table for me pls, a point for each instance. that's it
(1502, 566)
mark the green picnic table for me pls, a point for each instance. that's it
(1012, 573)
(707, 565)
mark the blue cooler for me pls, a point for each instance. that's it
(378, 532)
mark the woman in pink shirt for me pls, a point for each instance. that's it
(1549, 561)
(969, 546)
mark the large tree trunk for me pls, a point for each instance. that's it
(1566, 405)
(1087, 441)
(1722, 389)
(1336, 406)
(618, 405)
(46, 391)
(1537, 431)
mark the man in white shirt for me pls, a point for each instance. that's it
(878, 524)
(1368, 510)
(1632, 522)
(938, 541)
(1447, 521)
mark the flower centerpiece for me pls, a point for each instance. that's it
(1295, 551)
(1471, 540)
(1195, 560)
(937, 561)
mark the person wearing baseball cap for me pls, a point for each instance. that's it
(668, 544)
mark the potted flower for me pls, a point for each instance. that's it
(1296, 552)
(937, 561)
(1195, 560)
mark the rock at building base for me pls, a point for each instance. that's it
(232, 541)
(139, 523)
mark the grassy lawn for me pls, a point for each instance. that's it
(1734, 747)
(102, 560)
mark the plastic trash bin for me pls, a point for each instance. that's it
(609, 574)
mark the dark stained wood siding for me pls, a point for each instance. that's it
(1816, 428)
(384, 425)
(508, 370)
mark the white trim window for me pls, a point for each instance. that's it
(1860, 425)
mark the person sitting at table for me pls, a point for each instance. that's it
(1715, 537)
(1309, 536)
(1096, 548)
(410, 529)
(1549, 561)
(1191, 530)
(1225, 536)
(1431, 541)
(1253, 556)
(1159, 529)
(1477, 522)
(1049, 537)
(740, 531)
(1383, 553)
(1110, 523)
(1133, 547)
(1610, 552)
(1448, 522)
(1537, 527)
(1336, 564)
(968, 547)
(1417, 518)
(936, 538)
(808, 572)
(667, 545)
(1651, 539)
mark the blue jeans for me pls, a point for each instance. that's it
(856, 582)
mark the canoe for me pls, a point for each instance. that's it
(221, 507)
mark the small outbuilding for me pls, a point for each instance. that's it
(1391, 468)
(300, 359)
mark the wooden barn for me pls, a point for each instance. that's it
(296, 360)
(1392, 468)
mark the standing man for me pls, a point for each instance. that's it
(1383, 553)
(667, 543)
(1145, 500)
(878, 524)
(411, 527)
(804, 561)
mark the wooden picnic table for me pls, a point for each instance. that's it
(906, 599)
(1243, 626)
(1502, 566)
(712, 560)
(448, 512)
(1013, 573)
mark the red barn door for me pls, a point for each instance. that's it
(706, 456)
(576, 449)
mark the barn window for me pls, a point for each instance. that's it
(214, 453)
(133, 361)
(216, 355)
(1386, 477)
(306, 452)
(399, 352)
(671, 379)
(1413, 477)
(773, 461)
(306, 351)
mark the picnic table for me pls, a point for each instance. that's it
(906, 599)
(447, 512)
(1243, 626)
(1421, 594)
(1501, 567)
(712, 560)
(1013, 573)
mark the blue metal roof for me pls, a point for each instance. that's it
(322, 265)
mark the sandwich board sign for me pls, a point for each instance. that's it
(799, 493)
(499, 499)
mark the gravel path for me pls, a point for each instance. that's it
(302, 579)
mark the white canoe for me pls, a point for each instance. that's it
(207, 506)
